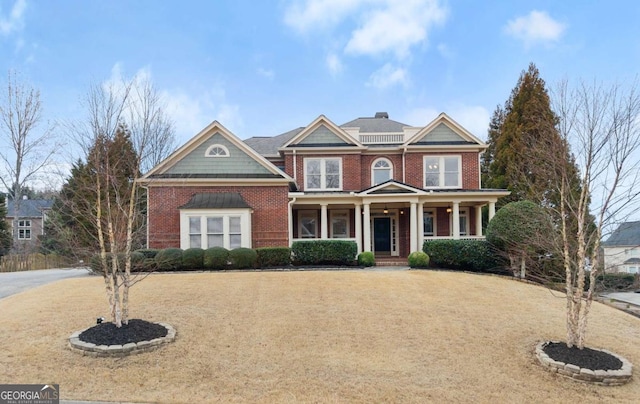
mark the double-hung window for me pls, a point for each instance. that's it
(323, 174)
(442, 172)
(229, 228)
(429, 223)
(307, 224)
(24, 229)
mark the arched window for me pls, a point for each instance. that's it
(381, 171)
(217, 150)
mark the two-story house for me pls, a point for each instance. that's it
(621, 250)
(383, 184)
(29, 221)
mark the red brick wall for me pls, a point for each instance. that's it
(365, 169)
(269, 220)
(470, 169)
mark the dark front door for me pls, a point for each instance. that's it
(382, 234)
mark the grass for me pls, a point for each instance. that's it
(353, 336)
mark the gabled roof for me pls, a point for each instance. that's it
(268, 146)
(391, 187)
(457, 134)
(322, 121)
(29, 207)
(174, 166)
(626, 235)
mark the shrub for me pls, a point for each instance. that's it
(169, 259)
(273, 256)
(418, 259)
(366, 259)
(611, 281)
(318, 252)
(193, 258)
(243, 258)
(465, 255)
(216, 258)
(148, 252)
(137, 260)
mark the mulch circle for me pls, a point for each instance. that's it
(584, 358)
(136, 331)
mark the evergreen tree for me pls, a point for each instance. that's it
(5, 234)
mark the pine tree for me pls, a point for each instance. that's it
(5, 234)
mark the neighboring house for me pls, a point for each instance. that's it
(30, 222)
(622, 249)
(383, 184)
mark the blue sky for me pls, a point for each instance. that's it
(264, 67)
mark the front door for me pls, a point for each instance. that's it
(382, 235)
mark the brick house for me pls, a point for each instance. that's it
(29, 221)
(383, 184)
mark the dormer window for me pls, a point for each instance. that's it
(217, 150)
(381, 171)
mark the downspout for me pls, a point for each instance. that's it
(290, 213)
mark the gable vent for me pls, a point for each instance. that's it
(382, 115)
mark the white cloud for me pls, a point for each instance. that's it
(536, 27)
(334, 64)
(14, 21)
(419, 116)
(396, 27)
(309, 15)
(266, 73)
(389, 76)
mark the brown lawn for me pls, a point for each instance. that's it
(352, 336)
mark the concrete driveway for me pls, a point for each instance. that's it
(16, 282)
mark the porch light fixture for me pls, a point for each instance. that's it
(385, 210)
(401, 211)
(448, 210)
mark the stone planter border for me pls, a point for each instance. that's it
(118, 351)
(600, 377)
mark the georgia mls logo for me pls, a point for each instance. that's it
(29, 394)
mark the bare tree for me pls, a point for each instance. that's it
(602, 124)
(129, 112)
(26, 151)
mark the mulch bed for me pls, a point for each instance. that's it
(584, 358)
(136, 331)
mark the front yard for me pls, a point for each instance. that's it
(343, 336)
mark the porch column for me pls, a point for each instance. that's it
(358, 220)
(492, 210)
(367, 228)
(420, 225)
(324, 226)
(456, 220)
(413, 228)
(479, 221)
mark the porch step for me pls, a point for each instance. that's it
(391, 262)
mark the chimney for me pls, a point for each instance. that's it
(382, 115)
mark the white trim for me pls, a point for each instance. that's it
(207, 153)
(203, 214)
(441, 171)
(463, 212)
(453, 125)
(433, 213)
(320, 120)
(340, 213)
(374, 169)
(323, 173)
(307, 213)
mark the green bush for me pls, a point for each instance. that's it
(148, 252)
(193, 258)
(273, 257)
(216, 258)
(243, 258)
(324, 252)
(418, 259)
(465, 255)
(169, 259)
(137, 260)
(612, 281)
(366, 259)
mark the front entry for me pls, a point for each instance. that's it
(382, 235)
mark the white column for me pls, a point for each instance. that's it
(324, 226)
(367, 228)
(358, 220)
(420, 225)
(413, 228)
(478, 220)
(456, 220)
(492, 210)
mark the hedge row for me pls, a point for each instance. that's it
(217, 258)
(464, 255)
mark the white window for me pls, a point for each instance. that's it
(228, 228)
(217, 150)
(464, 221)
(442, 171)
(307, 224)
(632, 269)
(339, 224)
(323, 173)
(381, 171)
(429, 226)
(24, 229)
